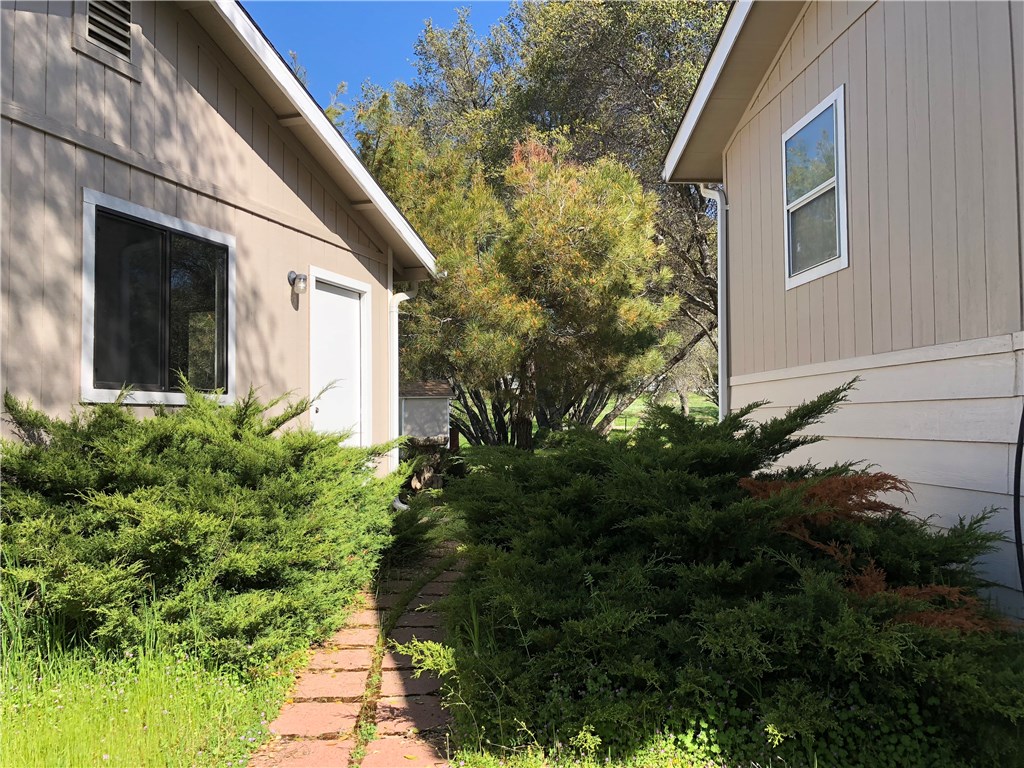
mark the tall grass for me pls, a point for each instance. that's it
(150, 707)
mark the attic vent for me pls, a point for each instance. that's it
(110, 25)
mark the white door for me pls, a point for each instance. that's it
(336, 354)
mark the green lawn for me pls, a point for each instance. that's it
(151, 708)
(700, 408)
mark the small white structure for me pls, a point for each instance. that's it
(426, 410)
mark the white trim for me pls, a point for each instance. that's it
(90, 199)
(991, 345)
(365, 342)
(307, 108)
(842, 261)
(731, 31)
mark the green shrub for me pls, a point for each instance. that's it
(672, 582)
(244, 541)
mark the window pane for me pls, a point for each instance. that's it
(198, 313)
(811, 155)
(813, 237)
(129, 287)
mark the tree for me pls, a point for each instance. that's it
(548, 287)
(617, 77)
(594, 80)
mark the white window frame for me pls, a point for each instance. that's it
(365, 341)
(836, 99)
(90, 200)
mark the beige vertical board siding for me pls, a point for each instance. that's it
(922, 275)
(61, 295)
(1017, 39)
(60, 65)
(191, 113)
(749, 201)
(260, 169)
(7, 20)
(117, 108)
(117, 179)
(244, 155)
(766, 250)
(898, 213)
(741, 264)
(878, 174)
(317, 203)
(29, 51)
(305, 186)
(165, 197)
(163, 80)
(5, 236)
(943, 173)
(815, 289)
(1002, 247)
(829, 283)
(758, 267)
(809, 23)
(967, 128)
(776, 249)
(858, 207)
(845, 312)
(143, 189)
(28, 332)
(145, 93)
(735, 277)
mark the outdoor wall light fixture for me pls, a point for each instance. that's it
(297, 282)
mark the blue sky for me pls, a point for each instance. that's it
(354, 40)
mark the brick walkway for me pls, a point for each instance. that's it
(317, 726)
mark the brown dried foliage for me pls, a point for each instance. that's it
(854, 498)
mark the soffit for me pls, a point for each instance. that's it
(750, 40)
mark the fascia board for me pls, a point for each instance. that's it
(708, 79)
(307, 108)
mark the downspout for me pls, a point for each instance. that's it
(393, 306)
(723, 311)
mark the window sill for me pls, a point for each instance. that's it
(816, 273)
(92, 396)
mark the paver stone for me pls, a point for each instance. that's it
(315, 719)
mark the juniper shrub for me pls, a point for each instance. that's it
(244, 540)
(674, 582)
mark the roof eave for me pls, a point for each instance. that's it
(749, 42)
(409, 248)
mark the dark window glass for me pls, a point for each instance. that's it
(129, 288)
(161, 307)
(813, 236)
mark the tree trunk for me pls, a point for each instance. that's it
(522, 422)
(604, 426)
(684, 401)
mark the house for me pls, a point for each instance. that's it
(174, 200)
(426, 410)
(866, 159)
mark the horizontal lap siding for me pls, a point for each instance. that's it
(943, 418)
(191, 117)
(933, 189)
